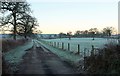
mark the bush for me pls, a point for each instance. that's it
(108, 62)
(8, 44)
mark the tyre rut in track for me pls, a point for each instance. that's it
(37, 61)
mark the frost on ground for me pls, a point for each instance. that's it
(15, 56)
(85, 46)
(64, 55)
(85, 43)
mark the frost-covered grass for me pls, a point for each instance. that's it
(84, 43)
(77, 60)
(64, 55)
(8, 44)
(15, 55)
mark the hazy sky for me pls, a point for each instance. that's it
(55, 16)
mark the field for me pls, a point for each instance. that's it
(85, 43)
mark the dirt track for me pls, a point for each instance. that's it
(38, 61)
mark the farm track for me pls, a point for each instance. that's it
(37, 61)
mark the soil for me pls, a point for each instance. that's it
(39, 61)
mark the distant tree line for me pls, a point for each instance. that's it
(19, 15)
(93, 32)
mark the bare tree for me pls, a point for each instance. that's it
(86, 32)
(27, 23)
(77, 32)
(69, 34)
(15, 9)
(61, 35)
(93, 31)
(108, 31)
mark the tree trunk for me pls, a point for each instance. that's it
(25, 35)
(15, 31)
(14, 16)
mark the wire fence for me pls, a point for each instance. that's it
(74, 48)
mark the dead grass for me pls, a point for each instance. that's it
(8, 44)
(106, 63)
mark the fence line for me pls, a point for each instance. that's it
(85, 52)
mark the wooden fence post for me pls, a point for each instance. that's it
(78, 49)
(92, 51)
(88, 52)
(68, 46)
(62, 45)
(50, 43)
(85, 52)
(54, 44)
(58, 44)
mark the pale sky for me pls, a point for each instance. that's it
(55, 16)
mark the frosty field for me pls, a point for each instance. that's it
(84, 43)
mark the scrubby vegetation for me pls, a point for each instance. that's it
(107, 62)
(8, 44)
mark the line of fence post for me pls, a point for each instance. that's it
(56, 44)
(85, 52)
